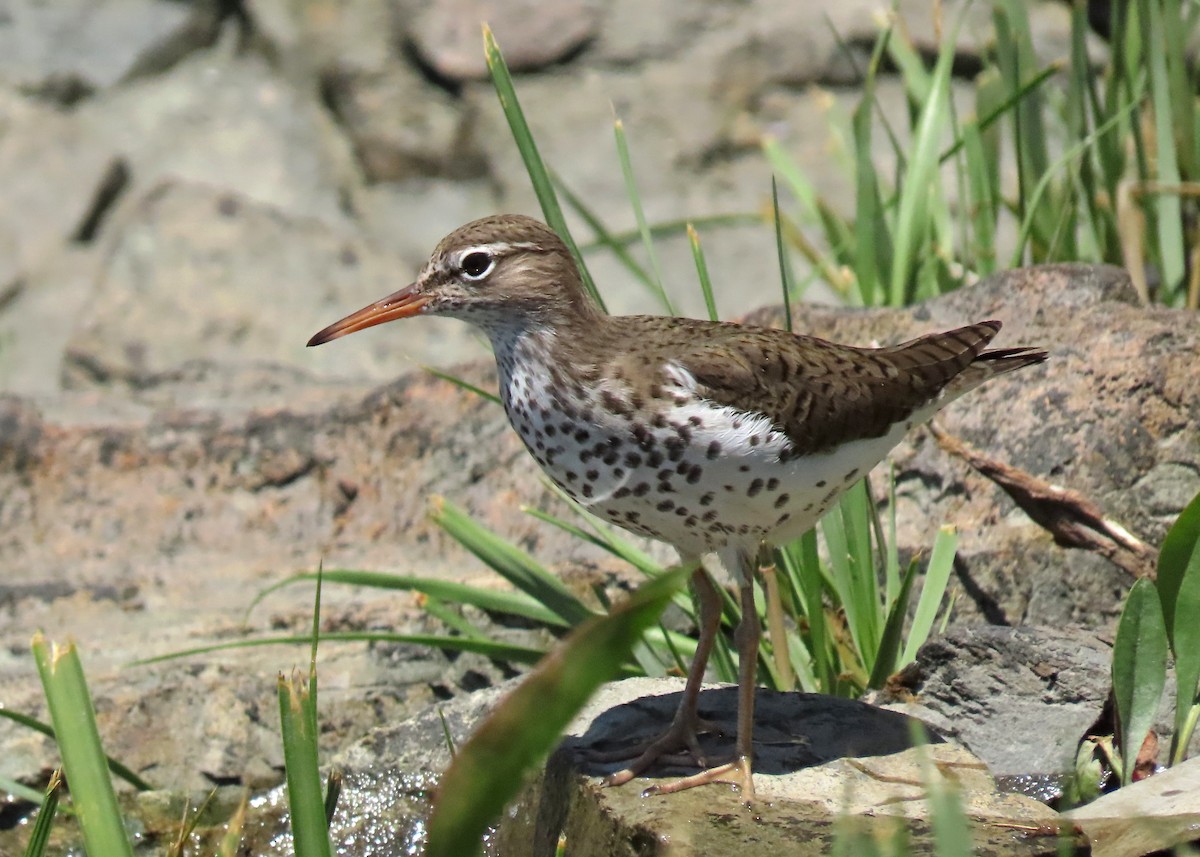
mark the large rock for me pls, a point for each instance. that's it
(194, 272)
(69, 48)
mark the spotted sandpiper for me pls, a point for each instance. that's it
(713, 437)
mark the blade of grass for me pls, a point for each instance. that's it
(512, 563)
(702, 272)
(491, 648)
(639, 214)
(465, 385)
(933, 589)
(1167, 208)
(491, 600)
(885, 658)
(1139, 670)
(78, 740)
(488, 770)
(39, 837)
(785, 278)
(920, 178)
(539, 176)
(306, 803)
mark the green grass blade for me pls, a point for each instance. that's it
(452, 620)
(491, 648)
(539, 176)
(310, 833)
(603, 235)
(39, 837)
(639, 214)
(933, 590)
(487, 772)
(785, 277)
(512, 563)
(78, 740)
(702, 272)
(1167, 206)
(920, 180)
(461, 384)
(1139, 670)
(886, 659)
(492, 600)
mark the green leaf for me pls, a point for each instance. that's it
(886, 661)
(512, 563)
(1139, 670)
(306, 802)
(488, 770)
(1177, 552)
(78, 739)
(492, 600)
(639, 214)
(539, 176)
(39, 837)
(115, 766)
(933, 590)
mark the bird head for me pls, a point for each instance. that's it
(499, 273)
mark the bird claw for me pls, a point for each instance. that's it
(742, 779)
(682, 735)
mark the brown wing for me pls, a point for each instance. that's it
(822, 393)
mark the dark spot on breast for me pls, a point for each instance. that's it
(621, 493)
(632, 516)
(714, 449)
(654, 458)
(632, 459)
(781, 501)
(592, 475)
(696, 421)
(587, 489)
(710, 516)
(745, 468)
(754, 488)
(772, 484)
(581, 436)
(707, 498)
(641, 489)
(665, 506)
(821, 484)
(618, 472)
(754, 440)
(694, 474)
(570, 476)
(849, 476)
(551, 431)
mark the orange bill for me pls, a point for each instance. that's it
(402, 304)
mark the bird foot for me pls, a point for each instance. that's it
(682, 735)
(737, 773)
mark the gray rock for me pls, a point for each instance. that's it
(195, 272)
(70, 47)
(227, 120)
(399, 129)
(817, 758)
(52, 172)
(532, 34)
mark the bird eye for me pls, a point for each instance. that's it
(477, 264)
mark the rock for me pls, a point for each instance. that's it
(193, 272)
(1021, 699)
(532, 34)
(1153, 815)
(400, 131)
(818, 757)
(245, 130)
(52, 172)
(70, 48)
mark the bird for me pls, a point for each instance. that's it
(714, 437)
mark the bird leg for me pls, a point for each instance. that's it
(738, 772)
(683, 731)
